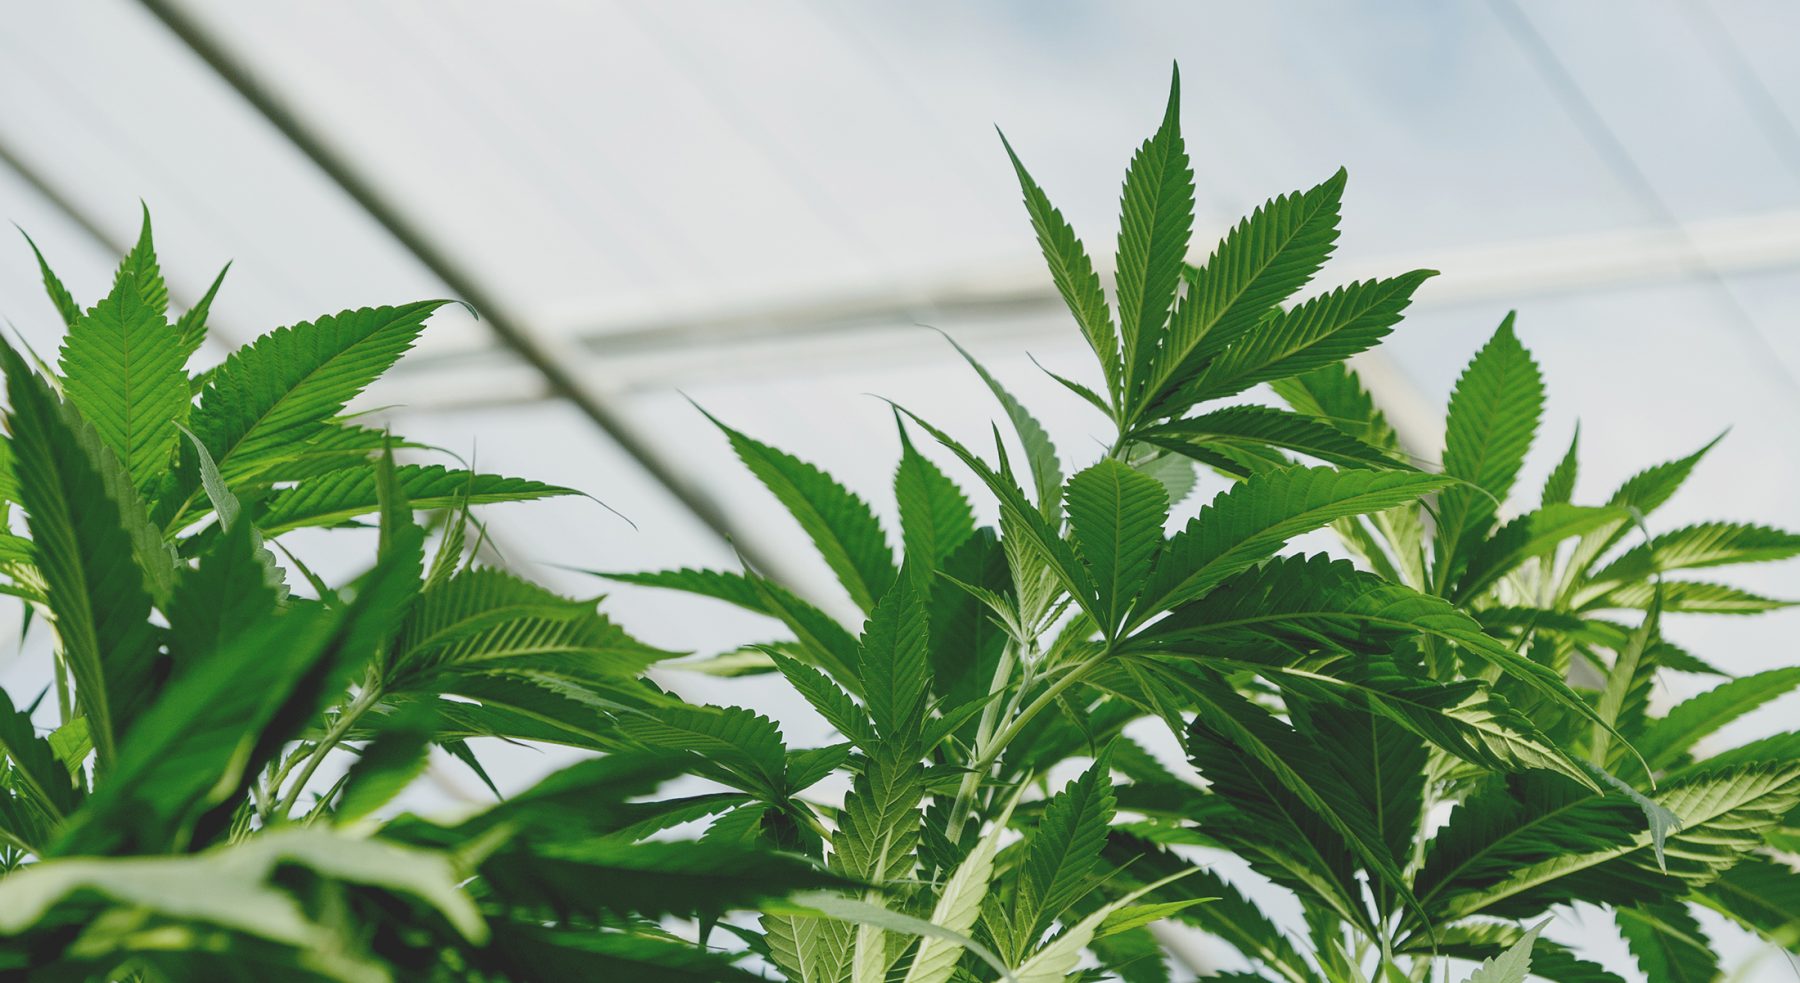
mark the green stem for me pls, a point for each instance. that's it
(63, 704)
(984, 732)
(339, 728)
(1067, 679)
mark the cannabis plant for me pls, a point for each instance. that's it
(1332, 707)
(179, 820)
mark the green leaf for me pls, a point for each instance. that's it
(958, 905)
(1230, 916)
(1116, 515)
(1024, 524)
(894, 646)
(1708, 544)
(1040, 453)
(1528, 537)
(1296, 815)
(340, 496)
(223, 596)
(1387, 761)
(1252, 427)
(729, 744)
(140, 265)
(1053, 962)
(1510, 966)
(1269, 255)
(235, 886)
(1307, 602)
(808, 950)
(1464, 718)
(1694, 718)
(1511, 851)
(879, 827)
(839, 523)
(935, 518)
(41, 781)
(1493, 416)
(733, 588)
(1761, 894)
(388, 764)
(59, 295)
(1062, 853)
(123, 371)
(1668, 943)
(606, 876)
(218, 722)
(1335, 395)
(1155, 222)
(1684, 596)
(1559, 487)
(190, 328)
(77, 499)
(1647, 490)
(871, 914)
(522, 950)
(1256, 517)
(1074, 276)
(831, 702)
(1476, 941)
(288, 385)
(1326, 329)
(483, 620)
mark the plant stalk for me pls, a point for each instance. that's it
(335, 735)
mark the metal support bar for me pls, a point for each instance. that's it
(552, 360)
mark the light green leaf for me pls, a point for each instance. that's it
(958, 905)
(486, 620)
(1303, 602)
(868, 913)
(731, 744)
(831, 702)
(1761, 894)
(1512, 965)
(234, 886)
(190, 328)
(879, 828)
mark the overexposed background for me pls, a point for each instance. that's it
(757, 205)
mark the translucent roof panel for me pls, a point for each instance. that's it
(607, 162)
(756, 206)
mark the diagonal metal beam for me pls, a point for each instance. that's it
(552, 359)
